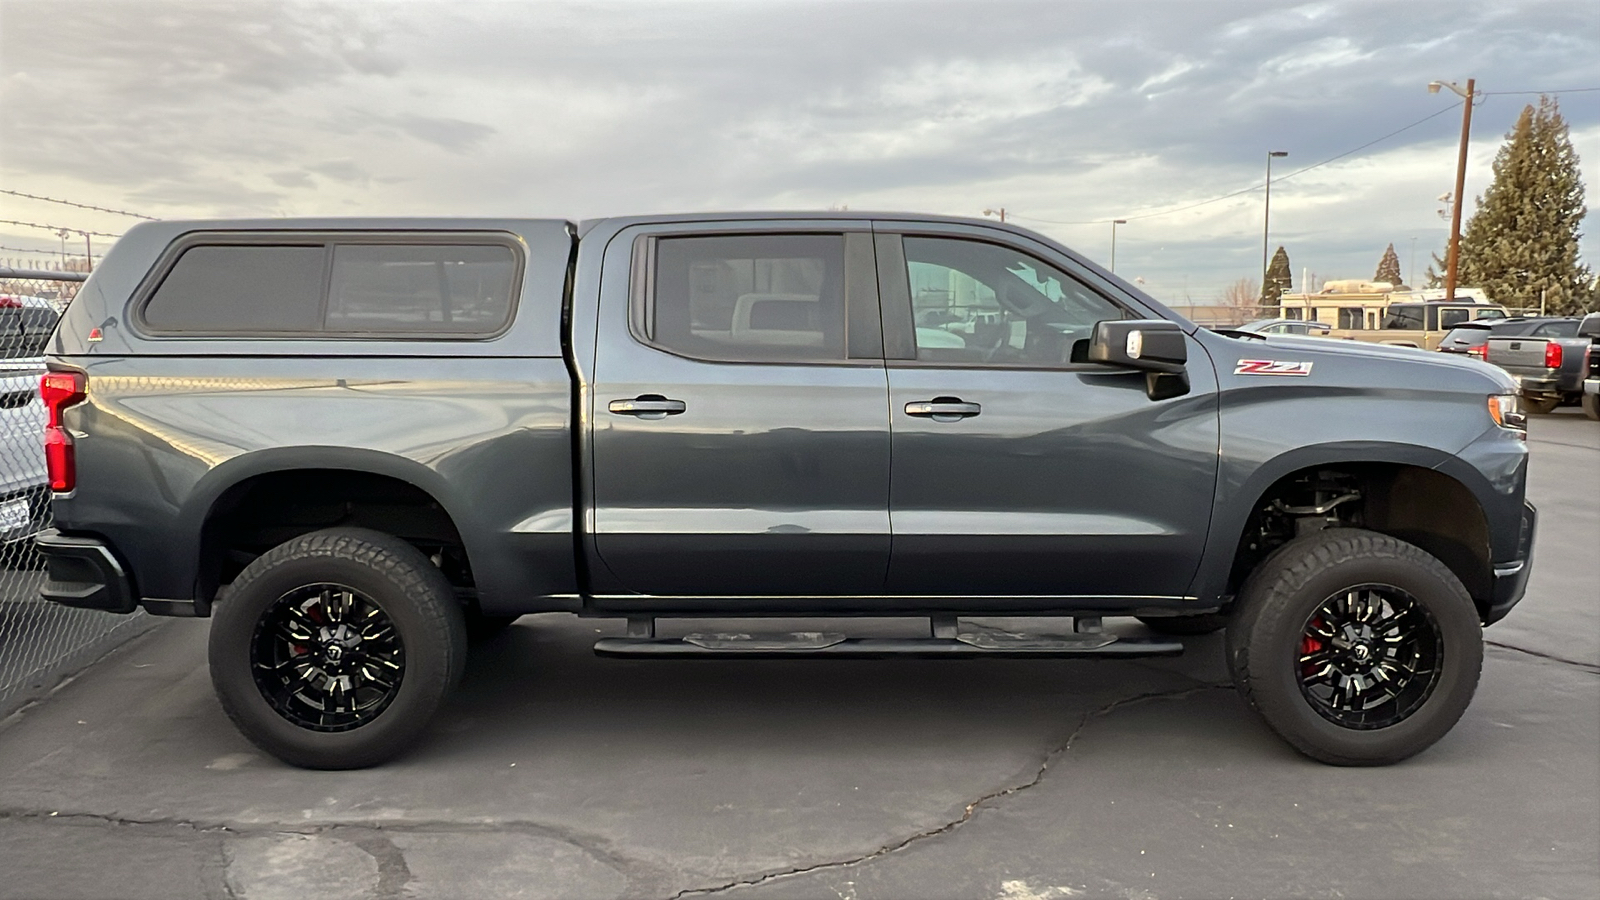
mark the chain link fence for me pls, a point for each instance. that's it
(39, 641)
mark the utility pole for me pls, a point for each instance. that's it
(1266, 218)
(1453, 264)
(1114, 224)
(88, 252)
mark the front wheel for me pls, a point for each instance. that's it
(334, 650)
(1357, 648)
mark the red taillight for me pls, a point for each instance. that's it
(59, 391)
(1480, 352)
(1552, 355)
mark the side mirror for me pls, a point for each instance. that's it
(1154, 345)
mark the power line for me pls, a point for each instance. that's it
(58, 228)
(1588, 90)
(1255, 187)
(120, 212)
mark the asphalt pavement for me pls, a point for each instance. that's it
(553, 773)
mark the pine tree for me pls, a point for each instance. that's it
(1523, 239)
(1279, 278)
(1434, 277)
(1389, 268)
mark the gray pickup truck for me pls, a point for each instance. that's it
(1550, 370)
(356, 443)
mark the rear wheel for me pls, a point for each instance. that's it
(334, 650)
(1357, 648)
(1185, 626)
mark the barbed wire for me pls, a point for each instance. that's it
(58, 228)
(45, 252)
(105, 209)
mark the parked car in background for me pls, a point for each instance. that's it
(1285, 326)
(1425, 323)
(1472, 338)
(1550, 371)
(25, 328)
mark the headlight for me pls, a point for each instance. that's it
(1506, 411)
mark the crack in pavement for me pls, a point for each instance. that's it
(971, 809)
(645, 878)
(1577, 663)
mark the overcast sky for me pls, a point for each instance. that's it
(1059, 112)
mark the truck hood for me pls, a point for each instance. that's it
(1458, 368)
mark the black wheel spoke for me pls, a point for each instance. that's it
(1368, 657)
(327, 657)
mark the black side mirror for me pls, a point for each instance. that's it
(1154, 346)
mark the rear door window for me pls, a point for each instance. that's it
(1403, 317)
(749, 298)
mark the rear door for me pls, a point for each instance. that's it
(1019, 470)
(740, 421)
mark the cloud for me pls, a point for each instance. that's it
(1060, 112)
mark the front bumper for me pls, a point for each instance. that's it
(1511, 578)
(85, 573)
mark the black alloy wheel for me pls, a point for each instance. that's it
(1369, 657)
(335, 649)
(327, 657)
(1357, 648)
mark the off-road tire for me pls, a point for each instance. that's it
(409, 589)
(1281, 596)
(1591, 406)
(1185, 626)
(1542, 406)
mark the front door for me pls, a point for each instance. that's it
(1017, 469)
(740, 420)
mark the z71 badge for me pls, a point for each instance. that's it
(1271, 367)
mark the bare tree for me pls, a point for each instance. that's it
(1244, 292)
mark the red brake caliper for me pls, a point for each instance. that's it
(1310, 645)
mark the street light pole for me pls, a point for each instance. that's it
(1114, 224)
(1452, 264)
(1266, 218)
(1001, 212)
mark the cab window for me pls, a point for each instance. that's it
(976, 302)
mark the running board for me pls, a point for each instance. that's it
(973, 644)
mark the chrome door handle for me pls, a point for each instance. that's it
(647, 406)
(943, 409)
